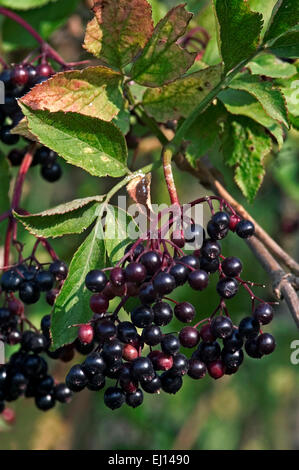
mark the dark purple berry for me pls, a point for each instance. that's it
(249, 327)
(227, 287)
(189, 337)
(221, 327)
(266, 343)
(245, 229)
(198, 279)
(231, 266)
(197, 369)
(263, 313)
(185, 312)
(162, 313)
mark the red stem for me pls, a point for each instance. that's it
(46, 48)
(166, 157)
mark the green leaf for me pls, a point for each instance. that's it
(89, 143)
(266, 93)
(4, 185)
(285, 16)
(245, 147)
(238, 31)
(287, 45)
(72, 304)
(241, 102)
(117, 232)
(94, 91)
(122, 120)
(71, 217)
(290, 89)
(162, 60)
(180, 97)
(203, 134)
(270, 66)
(45, 20)
(24, 4)
(119, 30)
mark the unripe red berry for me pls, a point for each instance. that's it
(233, 222)
(216, 369)
(15, 306)
(85, 334)
(129, 352)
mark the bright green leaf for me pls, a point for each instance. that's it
(24, 4)
(270, 66)
(180, 97)
(241, 102)
(72, 304)
(266, 93)
(290, 89)
(162, 60)
(89, 143)
(245, 146)
(94, 91)
(119, 30)
(71, 217)
(239, 31)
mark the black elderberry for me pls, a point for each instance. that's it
(45, 156)
(142, 368)
(180, 365)
(45, 385)
(59, 270)
(209, 352)
(189, 337)
(221, 220)
(215, 233)
(134, 399)
(227, 287)
(114, 397)
(147, 294)
(45, 280)
(245, 229)
(198, 279)
(152, 335)
(76, 379)
(252, 349)
(190, 261)
(209, 265)
(94, 364)
(170, 344)
(151, 386)
(117, 277)
(29, 292)
(105, 330)
(96, 280)
(221, 327)
(96, 382)
(210, 249)
(142, 316)
(62, 393)
(231, 266)
(135, 272)
(263, 313)
(249, 327)
(197, 369)
(11, 281)
(171, 383)
(185, 312)
(16, 156)
(7, 137)
(164, 283)
(152, 261)
(266, 343)
(45, 402)
(234, 342)
(126, 332)
(162, 313)
(4, 316)
(82, 348)
(180, 273)
(112, 350)
(232, 359)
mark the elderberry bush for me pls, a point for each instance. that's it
(137, 355)
(19, 80)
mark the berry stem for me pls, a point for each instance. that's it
(46, 48)
(166, 159)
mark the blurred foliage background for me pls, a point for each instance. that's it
(258, 408)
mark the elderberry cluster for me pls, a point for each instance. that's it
(26, 373)
(18, 80)
(137, 353)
